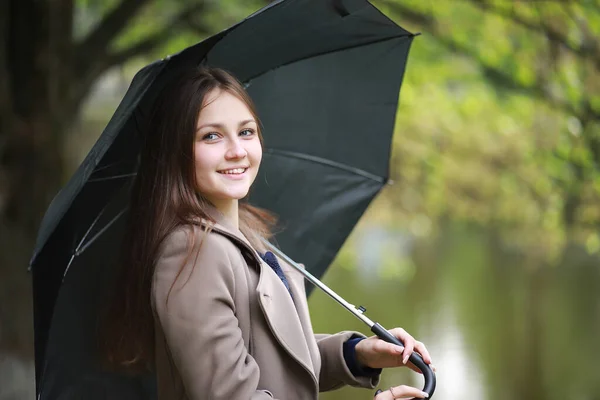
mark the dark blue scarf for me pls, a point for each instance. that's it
(270, 259)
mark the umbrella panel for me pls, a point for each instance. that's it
(297, 30)
(340, 106)
(72, 367)
(317, 205)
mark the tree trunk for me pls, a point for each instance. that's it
(32, 163)
(31, 160)
(33, 64)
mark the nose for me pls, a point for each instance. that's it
(235, 150)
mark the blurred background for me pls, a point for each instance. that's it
(486, 246)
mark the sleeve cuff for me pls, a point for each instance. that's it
(353, 365)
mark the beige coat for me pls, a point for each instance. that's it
(230, 329)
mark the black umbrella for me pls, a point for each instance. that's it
(325, 77)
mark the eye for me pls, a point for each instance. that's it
(210, 136)
(247, 132)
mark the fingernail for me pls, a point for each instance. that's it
(399, 349)
(405, 360)
(425, 394)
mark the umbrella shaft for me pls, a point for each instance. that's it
(358, 313)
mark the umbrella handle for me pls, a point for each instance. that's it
(415, 358)
(375, 327)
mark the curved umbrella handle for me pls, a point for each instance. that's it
(415, 358)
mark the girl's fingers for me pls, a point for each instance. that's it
(408, 350)
(403, 353)
(394, 349)
(381, 346)
(421, 349)
(409, 347)
(409, 343)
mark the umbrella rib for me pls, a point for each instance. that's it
(248, 81)
(107, 178)
(324, 161)
(81, 249)
(77, 252)
(106, 166)
(68, 267)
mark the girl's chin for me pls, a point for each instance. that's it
(220, 192)
(231, 196)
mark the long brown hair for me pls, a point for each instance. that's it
(164, 197)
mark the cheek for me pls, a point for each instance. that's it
(256, 152)
(203, 160)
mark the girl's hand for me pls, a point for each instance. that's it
(400, 392)
(376, 353)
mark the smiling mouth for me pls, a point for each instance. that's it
(234, 171)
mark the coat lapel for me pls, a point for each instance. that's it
(282, 317)
(280, 312)
(296, 281)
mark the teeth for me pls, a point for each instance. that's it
(233, 171)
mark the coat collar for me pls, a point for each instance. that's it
(226, 228)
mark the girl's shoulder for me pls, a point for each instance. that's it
(196, 255)
(189, 237)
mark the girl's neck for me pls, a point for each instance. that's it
(230, 211)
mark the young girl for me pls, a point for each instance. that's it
(202, 301)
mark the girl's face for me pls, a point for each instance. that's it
(227, 149)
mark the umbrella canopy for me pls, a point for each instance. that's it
(325, 77)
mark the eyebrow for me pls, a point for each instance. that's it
(221, 126)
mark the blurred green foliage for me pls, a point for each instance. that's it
(499, 122)
(179, 22)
